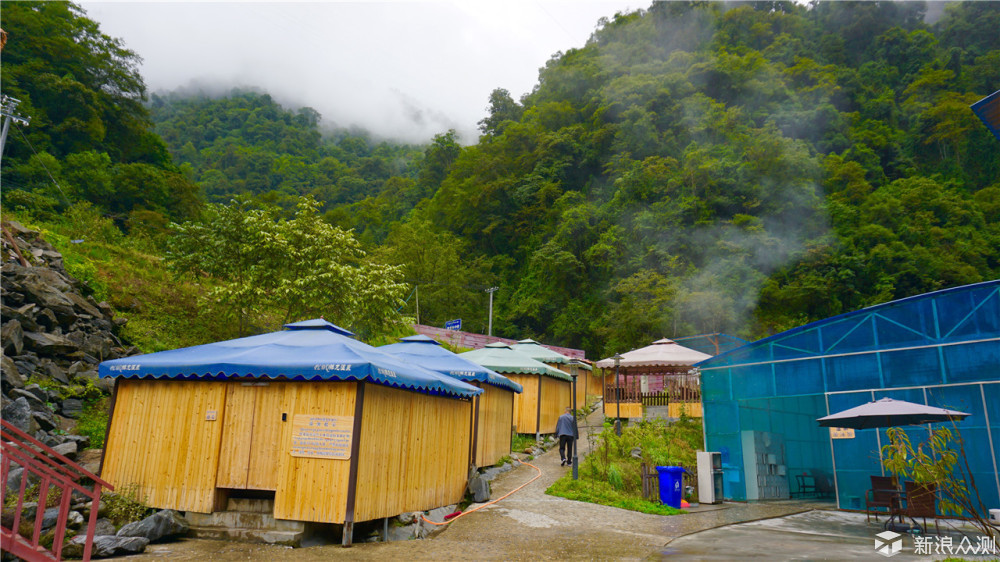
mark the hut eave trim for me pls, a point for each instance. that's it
(432, 390)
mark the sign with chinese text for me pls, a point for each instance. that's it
(841, 433)
(322, 437)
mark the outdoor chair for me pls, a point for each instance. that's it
(883, 493)
(920, 502)
(824, 483)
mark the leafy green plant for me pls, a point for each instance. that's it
(520, 441)
(93, 422)
(939, 461)
(126, 504)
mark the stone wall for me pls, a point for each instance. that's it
(54, 334)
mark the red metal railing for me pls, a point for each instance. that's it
(52, 470)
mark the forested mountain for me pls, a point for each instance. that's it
(90, 136)
(745, 168)
(696, 167)
(246, 142)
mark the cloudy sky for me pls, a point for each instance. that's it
(405, 70)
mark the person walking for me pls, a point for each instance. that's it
(566, 431)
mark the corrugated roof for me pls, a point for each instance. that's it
(315, 350)
(428, 353)
(502, 358)
(988, 111)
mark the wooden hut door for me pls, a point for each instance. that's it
(250, 436)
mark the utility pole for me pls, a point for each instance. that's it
(491, 290)
(8, 109)
(417, 289)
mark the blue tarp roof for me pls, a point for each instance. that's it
(424, 351)
(310, 350)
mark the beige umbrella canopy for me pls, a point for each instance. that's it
(662, 353)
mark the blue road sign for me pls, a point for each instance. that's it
(453, 325)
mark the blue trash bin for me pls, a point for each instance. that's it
(671, 485)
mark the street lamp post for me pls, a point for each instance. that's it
(618, 399)
(573, 373)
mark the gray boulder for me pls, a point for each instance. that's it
(71, 407)
(47, 344)
(46, 420)
(12, 336)
(36, 400)
(479, 488)
(104, 526)
(111, 545)
(18, 413)
(163, 524)
(67, 449)
(11, 375)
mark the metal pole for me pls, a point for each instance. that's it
(618, 399)
(576, 462)
(491, 290)
(417, 291)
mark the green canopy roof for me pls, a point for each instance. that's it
(539, 352)
(502, 358)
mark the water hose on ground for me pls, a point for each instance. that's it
(537, 476)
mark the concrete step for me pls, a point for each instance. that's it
(244, 520)
(264, 536)
(250, 505)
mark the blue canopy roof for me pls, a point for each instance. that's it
(427, 353)
(310, 350)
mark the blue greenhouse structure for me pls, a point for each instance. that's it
(761, 400)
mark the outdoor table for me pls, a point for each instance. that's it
(900, 511)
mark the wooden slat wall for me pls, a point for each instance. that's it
(160, 440)
(495, 418)
(556, 396)
(313, 489)
(414, 452)
(237, 424)
(628, 409)
(267, 434)
(526, 403)
(595, 382)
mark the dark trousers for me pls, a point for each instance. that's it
(565, 444)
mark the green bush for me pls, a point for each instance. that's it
(125, 505)
(93, 422)
(611, 475)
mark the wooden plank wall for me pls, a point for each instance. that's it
(556, 396)
(526, 403)
(160, 440)
(628, 409)
(414, 452)
(312, 489)
(595, 382)
(495, 418)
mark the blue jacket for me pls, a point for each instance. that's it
(566, 426)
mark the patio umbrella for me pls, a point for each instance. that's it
(887, 413)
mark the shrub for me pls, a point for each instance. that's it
(126, 505)
(93, 422)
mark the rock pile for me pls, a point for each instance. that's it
(53, 337)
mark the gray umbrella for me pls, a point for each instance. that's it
(887, 413)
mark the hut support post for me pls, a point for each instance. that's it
(352, 478)
(385, 529)
(475, 434)
(538, 413)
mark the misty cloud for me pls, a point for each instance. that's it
(402, 70)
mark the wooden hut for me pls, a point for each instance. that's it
(557, 360)
(546, 390)
(493, 410)
(293, 417)
(660, 374)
